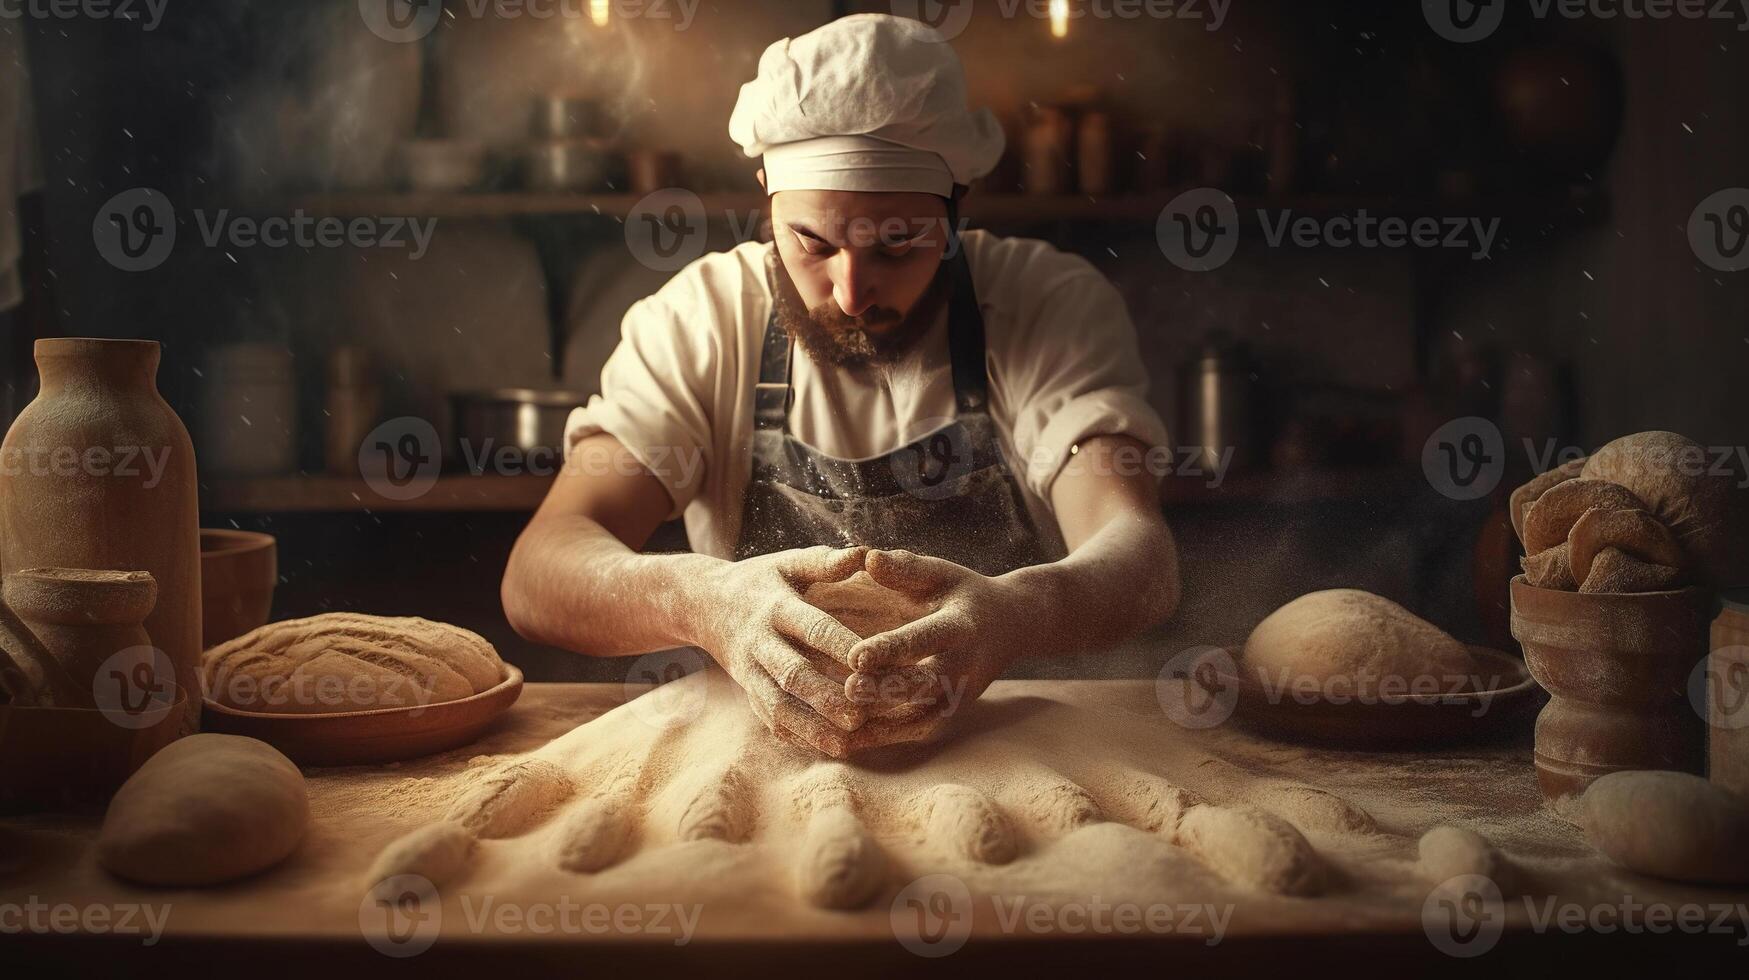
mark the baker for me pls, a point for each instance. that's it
(961, 416)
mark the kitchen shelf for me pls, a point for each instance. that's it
(1578, 204)
(454, 493)
(461, 492)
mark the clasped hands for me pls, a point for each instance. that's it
(818, 685)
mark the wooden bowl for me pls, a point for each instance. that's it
(60, 758)
(238, 572)
(353, 738)
(1382, 721)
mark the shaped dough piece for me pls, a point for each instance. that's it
(1635, 533)
(1528, 494)
(1669, 824)
(1352, 642)
(1684, 485)
(1551, 518)
(1551, 569)
(1613, 570)
(206, 809)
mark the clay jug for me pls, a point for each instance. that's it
(98, 473)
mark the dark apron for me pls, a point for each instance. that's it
(950, 494)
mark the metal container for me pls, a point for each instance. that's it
(512, 430)
(1215, 416)
(565, 117)
(566, 165)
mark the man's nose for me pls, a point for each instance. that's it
(853, 284)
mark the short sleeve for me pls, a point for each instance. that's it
(1070, 368)
(653, 397)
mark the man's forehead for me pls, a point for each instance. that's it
(834, 209)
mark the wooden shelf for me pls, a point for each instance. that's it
(460, 492)
(1578, 205)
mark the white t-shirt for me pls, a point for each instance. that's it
(1061, 357)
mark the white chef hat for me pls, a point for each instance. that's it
(869, 102)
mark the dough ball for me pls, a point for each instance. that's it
(206, 809)
(1670, 825)
(1551, 568)
(1352, 642)
(1697, 499)
(1548, 521)
(1634, 532)
(1614, 570)
(349, 662)
(1526, 495)
(864, 606)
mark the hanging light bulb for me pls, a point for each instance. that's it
(598, 11)
(1059, 18)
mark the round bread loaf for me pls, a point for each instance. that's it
(1350, 642)
(349, 662)
(1694, 492)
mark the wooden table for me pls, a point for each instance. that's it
(305, 914)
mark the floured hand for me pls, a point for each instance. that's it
(912, 678)
(789, 657)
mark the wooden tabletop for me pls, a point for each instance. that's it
(307, 913)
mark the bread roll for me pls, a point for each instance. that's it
(206, 809)
(1551, 569)
(1634, 532)
(349, 662)
(1526, 495)
(1687, 488)
(1551, 518)
(1614, 570)
(1350, 642)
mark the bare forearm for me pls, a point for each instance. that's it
(1119, 582)
(572, 584)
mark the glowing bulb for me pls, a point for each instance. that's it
(598, 12)
(1059, 18)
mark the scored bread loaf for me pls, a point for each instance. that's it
(349, 662)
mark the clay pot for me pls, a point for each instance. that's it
(83, 617)
(98, 473)
(238, 572)
(1617, 669)
(64, 757)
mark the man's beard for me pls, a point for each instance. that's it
(831, 337)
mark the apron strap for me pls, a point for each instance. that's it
(771, 393)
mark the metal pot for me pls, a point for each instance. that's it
(512, 428)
